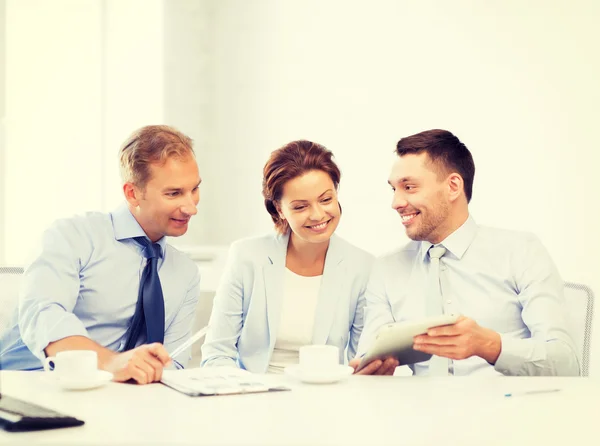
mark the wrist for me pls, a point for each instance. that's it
(492, 347)
(105, 359)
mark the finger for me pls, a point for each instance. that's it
(446, 351)
(158, 350)
(371, 368)
(138, 374)
(437, 340)
(354, 363)
(388, 367)
(445, 330)
(156, 365)
(122, 375)
(140, 363)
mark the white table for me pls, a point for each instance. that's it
(361, 410)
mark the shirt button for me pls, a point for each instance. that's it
(448, 301)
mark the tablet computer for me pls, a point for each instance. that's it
(396, 339)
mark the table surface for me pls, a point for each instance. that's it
(361, 410)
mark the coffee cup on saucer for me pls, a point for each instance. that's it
(319, 364)
(318, 359)
(76, 369)
(73, 364)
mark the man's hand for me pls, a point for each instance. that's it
(143, 364)
(461, 340)
(377, 367)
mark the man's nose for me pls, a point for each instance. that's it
(399, 202)
(189, 207)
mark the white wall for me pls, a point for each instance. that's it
(133, 80)
(2, 116)
(53, 116)
(81, 75)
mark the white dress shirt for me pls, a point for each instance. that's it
(300, 295)
(504, 280)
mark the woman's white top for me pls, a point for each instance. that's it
(300, 295)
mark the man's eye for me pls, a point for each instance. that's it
(408, 187)
(172, 194)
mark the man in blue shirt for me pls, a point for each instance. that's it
(504, 283)
(81, 290)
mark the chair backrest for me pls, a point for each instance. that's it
(10, 281)
(580, 306)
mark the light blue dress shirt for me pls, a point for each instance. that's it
(504, 280)
(85, 281)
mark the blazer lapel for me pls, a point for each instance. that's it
(332, 288)
(273, 274)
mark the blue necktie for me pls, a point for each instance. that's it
(150, 307)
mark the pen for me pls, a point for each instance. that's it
(532, 392)
(199, 335)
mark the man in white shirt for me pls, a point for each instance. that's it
(503, 283)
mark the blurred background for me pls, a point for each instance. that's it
(516, 81)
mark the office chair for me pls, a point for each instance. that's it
(579, 299)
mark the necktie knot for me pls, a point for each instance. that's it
(151, 250)
(436, 252)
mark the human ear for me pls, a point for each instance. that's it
(456, 186)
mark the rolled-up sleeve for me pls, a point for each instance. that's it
(550, 350)
(50, 290)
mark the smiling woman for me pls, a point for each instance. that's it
(302, 285)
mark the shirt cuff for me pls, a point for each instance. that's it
(221, 361)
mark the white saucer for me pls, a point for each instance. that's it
(99, 379)
(321, 377)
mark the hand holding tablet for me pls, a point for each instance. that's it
(396, 340)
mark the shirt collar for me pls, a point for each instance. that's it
(458, 242)
(126, 226)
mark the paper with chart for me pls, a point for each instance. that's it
(208, 381)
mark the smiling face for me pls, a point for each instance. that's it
(309, 204)
(169, 199)
(423, 198)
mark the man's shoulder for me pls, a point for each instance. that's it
(406, 252)
(181, 261)
(505, 238)
(87, 223)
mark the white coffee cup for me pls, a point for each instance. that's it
(73, 364)
(318, 358)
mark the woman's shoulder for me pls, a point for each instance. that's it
(252, 248)
(352, 253)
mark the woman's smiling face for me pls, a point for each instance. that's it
(309, 204)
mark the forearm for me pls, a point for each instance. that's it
(81, 343)
(531, 357)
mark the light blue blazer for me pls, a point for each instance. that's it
(247, 305)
